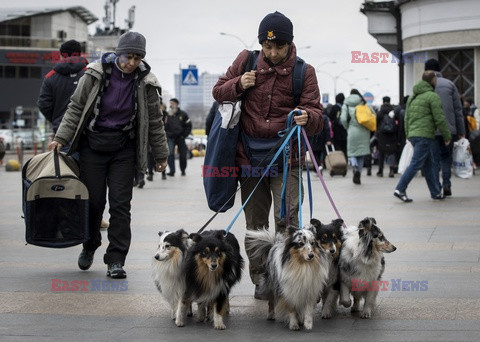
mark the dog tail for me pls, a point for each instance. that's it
(258, 244)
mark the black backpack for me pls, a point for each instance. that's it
(389, 125)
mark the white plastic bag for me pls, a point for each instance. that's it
(406, 157)
(462, 159)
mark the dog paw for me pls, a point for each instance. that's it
(366, 315)
(220, 326)
(294, 326)
(326, 314)
(179, 323)
(271, 317)
(346, 303)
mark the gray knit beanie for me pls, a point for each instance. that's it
(131, 42)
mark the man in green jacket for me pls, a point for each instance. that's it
(424, 115)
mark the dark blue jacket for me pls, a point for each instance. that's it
(58, 86)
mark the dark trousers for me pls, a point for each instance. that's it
(182, 151)
(150, 162)
(446, 158)
(116, 171)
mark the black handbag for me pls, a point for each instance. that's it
(108, 141)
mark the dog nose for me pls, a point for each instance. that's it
(213, 267)
(394, 248)
(157, 257)
(332, 250)
(310, 256)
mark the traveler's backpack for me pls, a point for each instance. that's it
(222, 143)
(389, 125)
(55, 201)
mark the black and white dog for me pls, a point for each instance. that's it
(362, 262)
(296, 271)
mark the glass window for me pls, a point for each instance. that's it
(35, 72)
(9, 71)
(23, 72)
(458, 67)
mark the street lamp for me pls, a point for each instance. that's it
(335, 78)
(248, 47)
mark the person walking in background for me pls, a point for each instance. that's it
(60, 83)
(320, 141)
(178, 126)
(452, 108)
(263, 117)
(339, 139)
(111, 118)
(387, 133)
(424, 115)
(358, 137)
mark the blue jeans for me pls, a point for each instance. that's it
(425, 153)
(357, 161)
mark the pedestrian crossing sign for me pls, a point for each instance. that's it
(189, 77)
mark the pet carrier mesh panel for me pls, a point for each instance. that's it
(55, 201)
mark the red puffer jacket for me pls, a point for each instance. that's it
(267, 104)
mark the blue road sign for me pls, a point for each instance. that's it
(189, 77)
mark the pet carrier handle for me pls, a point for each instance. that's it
(56, 163)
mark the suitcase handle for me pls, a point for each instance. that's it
(328, 150)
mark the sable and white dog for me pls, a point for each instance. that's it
(362, 262)
(329, 237)
(168, 264)
(296, 271)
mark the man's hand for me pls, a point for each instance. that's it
(161, 166)
(302, 119)
(248, 79)
(55, 145)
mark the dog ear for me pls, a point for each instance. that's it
(220, 234)
(183, 234)
(316, 223)
(161, 233)
(361, 232)
(337, 223)
(196, 237)
(366, 223)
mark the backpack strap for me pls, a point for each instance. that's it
(252, 60)
(298, 78)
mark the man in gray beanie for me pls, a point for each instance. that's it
(117, 106)
(267, 98)
(452, 107)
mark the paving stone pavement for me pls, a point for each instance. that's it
(438, 243)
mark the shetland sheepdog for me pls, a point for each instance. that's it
(329, 237)
(167, 266)
(212, 266)
(296, 271)
(362, 262)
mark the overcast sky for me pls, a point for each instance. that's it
(183, 32)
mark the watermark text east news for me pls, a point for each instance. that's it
(97, 285)
(386, 57)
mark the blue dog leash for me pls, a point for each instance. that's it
(280, 150)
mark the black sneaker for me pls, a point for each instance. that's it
(150, 177)
(438, 197)
(183, 173)
(356, 177)
(447, 191)
(402, 196)
(171, 174)
(85, 260)
(141, 184)
(116, 271)
(164, 175)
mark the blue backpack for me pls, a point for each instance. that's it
(220, 174)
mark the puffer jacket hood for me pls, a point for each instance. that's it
(352, 100)
(70, 65)
(422, 87)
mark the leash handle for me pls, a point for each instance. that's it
(320, 176)
(280, 150)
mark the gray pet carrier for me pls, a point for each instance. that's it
(55, 201)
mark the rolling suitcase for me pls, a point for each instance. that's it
(335, 161)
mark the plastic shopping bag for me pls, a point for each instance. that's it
(462, 159)
(406, 157)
